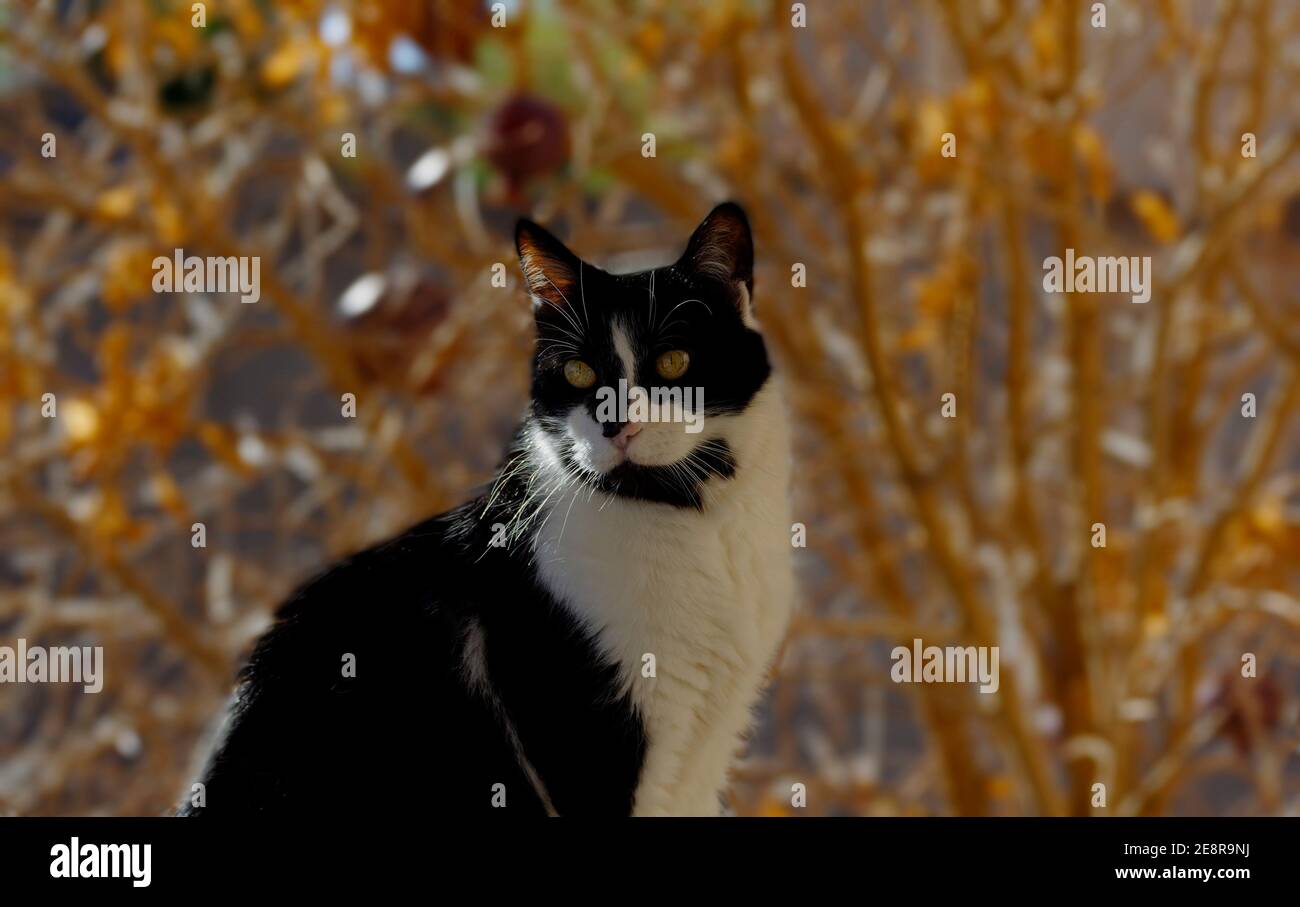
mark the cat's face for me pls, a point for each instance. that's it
(637, 377)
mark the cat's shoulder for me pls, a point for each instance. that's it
(384, 594)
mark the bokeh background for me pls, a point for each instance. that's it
(1120, 665)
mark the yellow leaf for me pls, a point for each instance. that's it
(932, 121)
(1269, 517)
(281, 67)
(1154, 625)
(14, 298)
(127, 276)
(333, 109)
(650, 40)
(1045, 34)
(220, 442)
(112, 521)
(167, 220)
(116, 203)
(1001, 786)
(170, 497)
(917, 337)
(1271, 214)
(80, 421)
(1091, 151)
(735, 150)
(1159, 220)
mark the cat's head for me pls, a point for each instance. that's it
(640, 380)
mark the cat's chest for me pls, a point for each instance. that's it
(691, 607)
(664, 585)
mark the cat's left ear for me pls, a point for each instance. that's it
(550, 269)
(721, 248)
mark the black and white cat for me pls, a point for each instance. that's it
(590, 634)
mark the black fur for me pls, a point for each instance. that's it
(408, 733)
(656, 485)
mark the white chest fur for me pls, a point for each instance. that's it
(707, 594)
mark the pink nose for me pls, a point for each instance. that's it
(630, 431)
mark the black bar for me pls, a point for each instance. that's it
(920, 855)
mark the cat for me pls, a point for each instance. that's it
(589, 635)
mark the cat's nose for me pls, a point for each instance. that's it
(626, 434)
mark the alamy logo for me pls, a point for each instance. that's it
(660, 404)
(949, 664)
(58, 664)
(103, 861)
(214, 274)
(1107, 274)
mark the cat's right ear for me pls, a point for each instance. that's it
(550, 269)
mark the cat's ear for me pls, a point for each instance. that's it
(722, 248)
(550, 269)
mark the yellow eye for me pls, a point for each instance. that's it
(579, 373)
(672, 364)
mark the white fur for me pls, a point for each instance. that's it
(623, 347)
(708, 594)
(658, 443)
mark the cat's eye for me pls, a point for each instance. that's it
(579, 373)
(672, 364)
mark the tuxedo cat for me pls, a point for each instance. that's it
(589, 635)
